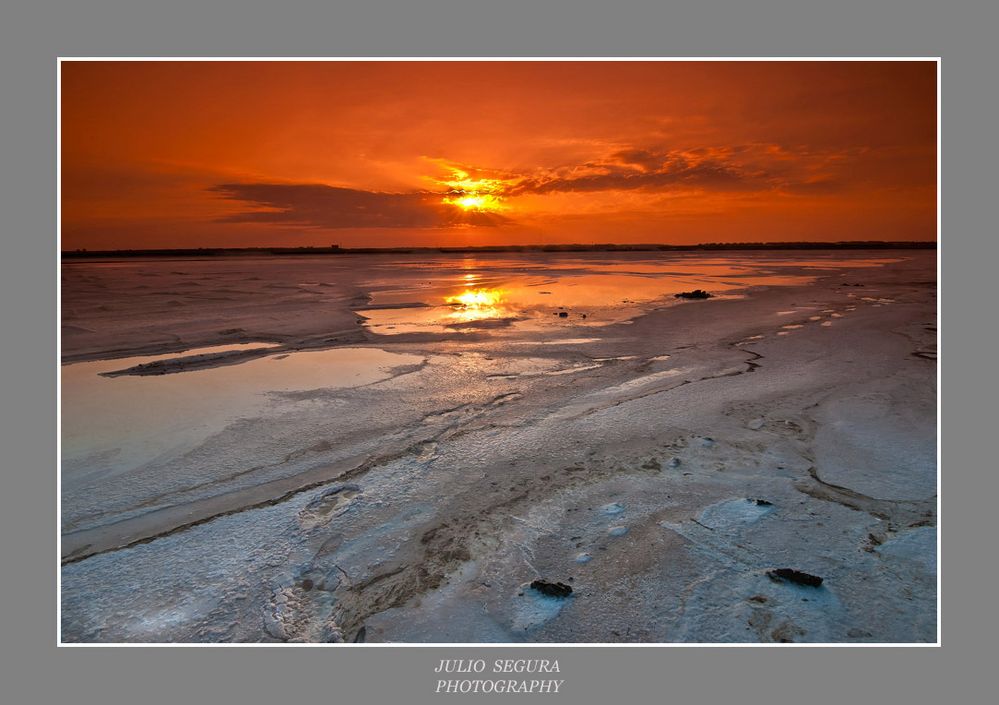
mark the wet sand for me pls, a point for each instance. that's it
(658, 457)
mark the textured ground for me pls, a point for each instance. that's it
(660, 465)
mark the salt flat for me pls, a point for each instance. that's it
(288, 449)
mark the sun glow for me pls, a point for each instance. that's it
(474, 201)
(479, 195)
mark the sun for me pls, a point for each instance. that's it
(475, 195)
(474, 201)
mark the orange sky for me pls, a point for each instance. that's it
(235, 154)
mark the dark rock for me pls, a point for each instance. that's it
(795, 576)
(563, 314)
(307, 584)
(359, 637)
(763, 503)
(695, 294)
(552, 589)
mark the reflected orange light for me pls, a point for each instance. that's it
(477, 304)
(476, 298)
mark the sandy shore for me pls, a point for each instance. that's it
(660, 466)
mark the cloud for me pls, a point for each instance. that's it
(673, 171)
(334, 207)
(710, 175)
(736, 168)
(742, 168)
(639, 157)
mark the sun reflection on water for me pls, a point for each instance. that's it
(477, 304)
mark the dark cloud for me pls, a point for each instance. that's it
(650, 161)
(658, 173)
(322, 206)
(737, 168)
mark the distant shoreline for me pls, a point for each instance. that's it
(486, 249)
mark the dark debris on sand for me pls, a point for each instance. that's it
(552, 589)
(795, 576)
(695, 294)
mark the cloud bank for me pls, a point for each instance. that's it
(334, 207)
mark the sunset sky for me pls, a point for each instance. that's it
(368, 154)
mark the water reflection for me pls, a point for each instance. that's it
(511, 295)
(477, 304)
(114, 423)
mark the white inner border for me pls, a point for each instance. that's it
(262, 59)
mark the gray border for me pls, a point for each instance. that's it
(35, 33)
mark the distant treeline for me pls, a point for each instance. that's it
(337, 250)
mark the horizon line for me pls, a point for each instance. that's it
(536, 247)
